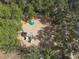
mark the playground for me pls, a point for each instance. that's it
(30, 30)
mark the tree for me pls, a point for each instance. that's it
(10, 12)
(31, 7)
(16, 12)
(29, 53)
(8, 34)
(4, 11)
(62, 27)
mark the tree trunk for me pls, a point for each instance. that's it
(62, 54)
(72, 56)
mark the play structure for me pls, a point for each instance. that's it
(29, 23)
(30, 28)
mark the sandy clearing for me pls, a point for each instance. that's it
(34, 30)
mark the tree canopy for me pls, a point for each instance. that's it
(56, 41)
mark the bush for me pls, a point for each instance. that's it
(4, 11)
(8, 34)
(16, 12)
(29, 53)
(10, 11)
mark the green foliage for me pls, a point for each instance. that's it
(62, 26)
(4, 11)
(9, 26)
(16, 13)
(29, 53)
(33, 7)
(10, 12)
(8, 34)
(48, 53)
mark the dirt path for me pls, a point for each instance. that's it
(34, 30)
(9, 56)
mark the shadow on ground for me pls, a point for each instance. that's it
(45, 35)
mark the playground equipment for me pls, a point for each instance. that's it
(27, 36)
(30, 36)
(25, 19)
(31, 21)
(31, 28)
